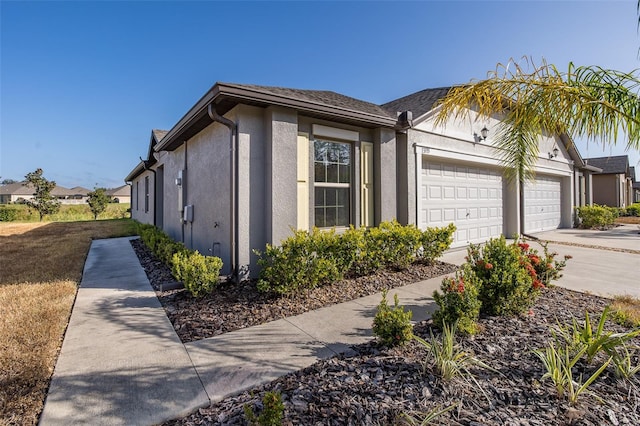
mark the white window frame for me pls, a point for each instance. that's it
(343, 185)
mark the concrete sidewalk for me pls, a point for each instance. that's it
(122, 363)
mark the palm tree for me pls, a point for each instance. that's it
(584, 102)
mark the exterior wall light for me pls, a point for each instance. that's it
(483, 135)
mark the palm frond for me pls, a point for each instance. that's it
(585, 102)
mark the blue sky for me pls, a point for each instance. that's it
(83, 83)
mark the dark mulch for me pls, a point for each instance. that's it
(234, 306)
(374, 385)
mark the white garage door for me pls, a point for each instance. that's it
(542, 203)
(469, 196)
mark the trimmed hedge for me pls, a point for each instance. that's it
(198, 273)
(596, 216)
(308, 259)
(633, 210)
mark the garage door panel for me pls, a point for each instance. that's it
(468, 196)
(542, 204)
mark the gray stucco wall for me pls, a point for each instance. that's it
(138, 201)
(385, 174)
(281, 138)
(207, 190)
(251, 186)
(606, 190)
(173, 162)
(402, 187)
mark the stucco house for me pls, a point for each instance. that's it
(121, 194)
(19, 192)
(613, 186)
(635, 186)
(247, 164)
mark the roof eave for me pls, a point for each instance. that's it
(137, 171)
(238, 95)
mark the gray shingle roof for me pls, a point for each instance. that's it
(418, 103)
(610, 165)
(120, 191)
(16, 189)
(159, 134)
(324, 97)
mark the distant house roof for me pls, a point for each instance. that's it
(23, 188)
(610, 165)
(419, 103)
(17, 188)
(124, 190)
(79, 190)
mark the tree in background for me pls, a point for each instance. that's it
(98, 200)
(7, 181)
(583, 102)
(42, 201)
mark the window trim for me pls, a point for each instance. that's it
(348, 185)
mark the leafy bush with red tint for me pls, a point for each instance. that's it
(458, 302)
(508, 281)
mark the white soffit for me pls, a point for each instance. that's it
(335, 133)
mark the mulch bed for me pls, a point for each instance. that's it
(374, 385)
(234, 306)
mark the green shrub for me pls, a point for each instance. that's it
(17, 213)
(272, 411)
(436, 241)
(507, 277)
(8, 214)
(392, 325)
(458, 302)
(400, 244)
(303, 261)
(600, 217)
(308, 259)
(392, 245)
(198, 273)
(633, 210)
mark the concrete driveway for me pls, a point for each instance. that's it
(605, 263)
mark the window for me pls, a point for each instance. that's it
(137, 194)
(332, 183)
(146, 194)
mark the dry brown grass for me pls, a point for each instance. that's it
(633, 220)
(626, 310)
(40, 267)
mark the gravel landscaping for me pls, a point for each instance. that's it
(374, 385)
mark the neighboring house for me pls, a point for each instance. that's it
(248, 164)
(15, 193)
(635, 186)
(20, 192)
(613, 186)
(121, 194)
